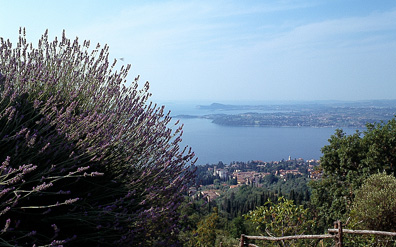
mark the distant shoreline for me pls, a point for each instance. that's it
(329, 115)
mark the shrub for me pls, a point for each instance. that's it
(85, 158)
(375, 204)
(281, 219)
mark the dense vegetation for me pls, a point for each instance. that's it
(347, 161)
(85, 160)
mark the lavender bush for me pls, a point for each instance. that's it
(86, 160)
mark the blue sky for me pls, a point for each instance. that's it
(227, 51)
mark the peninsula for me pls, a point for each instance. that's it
(310, 114)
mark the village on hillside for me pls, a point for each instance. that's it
(214, 180)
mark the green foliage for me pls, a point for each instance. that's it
(346, 162)
(375, 203)
(238, 227)
(205, 234)
(281, 219)
(199, 222)
(243, 199)
(329, 202)
(270, 179)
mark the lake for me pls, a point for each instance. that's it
(213, 143)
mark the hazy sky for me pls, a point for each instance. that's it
(232, 50)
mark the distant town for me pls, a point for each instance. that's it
(330, 114)
(215, 179)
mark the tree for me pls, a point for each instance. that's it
(281, 219)
(346, 162)
(205, 234)
(375, 204)
(86, 159)
(238, 227)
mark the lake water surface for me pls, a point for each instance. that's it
(213, 143)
